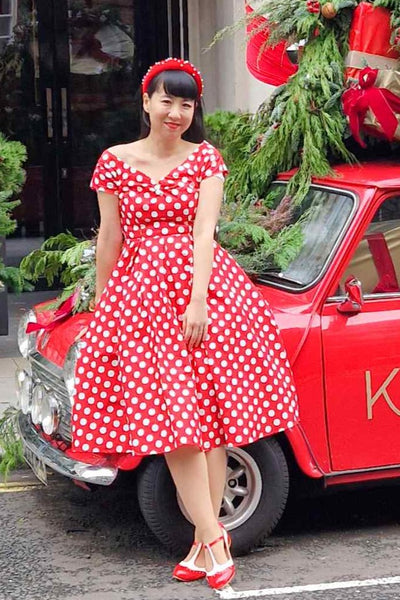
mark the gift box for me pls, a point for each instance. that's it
(388, 80)
(369, 41)
(373, 104)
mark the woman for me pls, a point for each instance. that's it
(182, 357)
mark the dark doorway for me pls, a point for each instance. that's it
(70, 73)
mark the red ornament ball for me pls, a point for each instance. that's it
(313, 6)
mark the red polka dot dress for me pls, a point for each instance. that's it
(139, 390)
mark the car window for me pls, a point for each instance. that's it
(376, 261)
(322, 218)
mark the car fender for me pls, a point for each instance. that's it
(302, 452)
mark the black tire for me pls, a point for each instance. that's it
(264, 462)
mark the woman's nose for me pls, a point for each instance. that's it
(174, 111)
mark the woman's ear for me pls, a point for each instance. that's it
(146, 100)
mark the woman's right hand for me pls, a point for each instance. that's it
(92, 308)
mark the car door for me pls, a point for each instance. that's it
(361, 351)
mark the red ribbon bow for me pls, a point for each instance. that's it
(358, 99)
(62, 312)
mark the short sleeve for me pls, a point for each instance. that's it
(212, 164)
(106, 175)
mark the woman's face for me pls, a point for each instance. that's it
(168, 114)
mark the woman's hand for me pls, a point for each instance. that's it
(92, 308)
(194, 323)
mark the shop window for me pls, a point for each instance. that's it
(7, 21)
(376, 262)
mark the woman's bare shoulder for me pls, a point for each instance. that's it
(125, 151)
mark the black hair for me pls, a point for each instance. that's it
(180, 84)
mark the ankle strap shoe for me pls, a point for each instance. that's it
(220, 574)
(187, 570)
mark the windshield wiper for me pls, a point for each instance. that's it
(274, 274)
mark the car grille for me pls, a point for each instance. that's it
(49, 375)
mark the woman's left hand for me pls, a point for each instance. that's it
(194, 322)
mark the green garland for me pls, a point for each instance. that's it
(68, 258)
(306, 124)
(303, 124)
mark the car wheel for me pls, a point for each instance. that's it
(255, 496)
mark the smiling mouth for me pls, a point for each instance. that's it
(172, 125)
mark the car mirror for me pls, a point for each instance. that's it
(354, 297)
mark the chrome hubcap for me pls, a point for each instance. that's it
(242, 489)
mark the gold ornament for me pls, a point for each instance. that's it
(328, 11)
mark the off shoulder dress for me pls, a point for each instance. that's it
(139, 390)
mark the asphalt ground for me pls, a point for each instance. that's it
(60, 542)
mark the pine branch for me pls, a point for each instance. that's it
(13, 279)
(11, 456)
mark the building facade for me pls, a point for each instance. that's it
(70, 73)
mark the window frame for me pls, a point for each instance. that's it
(379, 295)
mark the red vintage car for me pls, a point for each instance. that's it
(338, 307)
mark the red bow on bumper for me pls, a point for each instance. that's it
(62, 312)
(358, 99)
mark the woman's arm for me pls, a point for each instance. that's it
(109, 240)
(195, 316)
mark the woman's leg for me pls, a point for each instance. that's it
(189, 470)
(216, 465)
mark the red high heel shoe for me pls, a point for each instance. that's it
(225, 533)
(186, 570)
(220, 574)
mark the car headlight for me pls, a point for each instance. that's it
(23, 385)
(50, 414)
(37, 402)
(26, 341)
(69, 367)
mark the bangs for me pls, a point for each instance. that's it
(176, 83)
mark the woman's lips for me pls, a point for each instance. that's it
(172, 125)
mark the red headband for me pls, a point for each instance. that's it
(172, 64)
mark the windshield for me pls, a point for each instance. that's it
(322, 217)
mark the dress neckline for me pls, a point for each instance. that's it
(154, 181)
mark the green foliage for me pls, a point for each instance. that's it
(68, 258)
(11, 456)
(12, 177)
(260, 233)
(306, 126)
(14, 280)
(302, 125)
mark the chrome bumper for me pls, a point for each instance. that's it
(58, 461)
